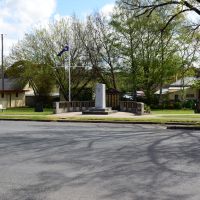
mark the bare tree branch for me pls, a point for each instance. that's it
(173, 17)
(142, 9)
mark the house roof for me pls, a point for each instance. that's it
(10, 85)
(179, 84)
(164, 91)
(187, 81)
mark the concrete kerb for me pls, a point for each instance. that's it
(184, 126)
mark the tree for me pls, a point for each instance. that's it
(188, 51)
(86, 35)
(127, 34)
(149, 53)
(38, 76)
(178, 7)
(43, 45)
(105, 40)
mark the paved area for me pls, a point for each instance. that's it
(112, 115)
(124, 115)
(74, 161)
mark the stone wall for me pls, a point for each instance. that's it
(132, 106)
(79, 106)
(74, 106)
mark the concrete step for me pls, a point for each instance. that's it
(97, 111)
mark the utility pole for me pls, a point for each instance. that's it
(2, 67)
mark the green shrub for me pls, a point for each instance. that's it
(177, 105)
(147, 108)
(189, 104)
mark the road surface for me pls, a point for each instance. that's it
(82, 161)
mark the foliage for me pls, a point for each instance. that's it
(148, 55)
(196, 84)
(126, 52)
(177, 105)
(38, 76)
(147, 109)
(90, 49)
(178, 7)
(189, 104)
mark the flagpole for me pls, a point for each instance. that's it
(2, 67)
(67, 48)
(69, 76)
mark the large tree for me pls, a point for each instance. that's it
(42, 46)
(178, 7)
(127, 29)
(105, 39)
(91, 45)
(147, 53)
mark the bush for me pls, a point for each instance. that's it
(177, 105)
(189, 104)
(147, 108)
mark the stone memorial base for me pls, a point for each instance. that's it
(99, 111)
(100, 102)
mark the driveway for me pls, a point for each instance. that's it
(77, 161)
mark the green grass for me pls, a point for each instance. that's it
(183, 111)
(26, 117)
(25, 111)
(158, 120)
(157, 116)
(194, 116)
(49, 111)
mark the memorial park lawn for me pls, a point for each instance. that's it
(156, 116)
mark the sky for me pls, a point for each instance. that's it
(18, 17)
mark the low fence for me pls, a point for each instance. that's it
(79, 106)
(73, 106)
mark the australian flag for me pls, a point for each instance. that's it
(66, 48)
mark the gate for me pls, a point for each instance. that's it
(113, 99)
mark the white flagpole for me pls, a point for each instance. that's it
(69, 78)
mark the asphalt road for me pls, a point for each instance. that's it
(74, 161)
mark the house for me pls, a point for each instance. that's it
(176, 90)
(12, 95)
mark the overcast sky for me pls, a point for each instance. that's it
(19, 16)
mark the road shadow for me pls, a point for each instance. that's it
(131, 162)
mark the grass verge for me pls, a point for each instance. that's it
(25, 111)
(165, 111)
(93, 119)
(158, 116)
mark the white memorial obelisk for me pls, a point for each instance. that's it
(100, 98)
(100, 102)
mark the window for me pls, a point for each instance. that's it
(189, 95)
(17, 94)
